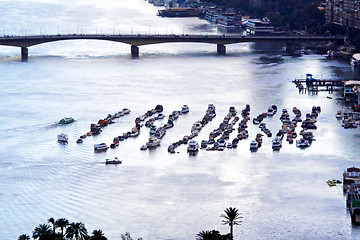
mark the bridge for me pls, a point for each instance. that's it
(138, 40)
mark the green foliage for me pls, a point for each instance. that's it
(77, 231)
(98, 235)
(209, 235)
(24, 237)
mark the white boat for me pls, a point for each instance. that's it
(339, 114)
(270, 111)
(254, 145)
(114, 160)
(193, 146)
(276, 143)
(355, 59)
(62, 137)
(184, 109)
(100, 147)
(153, 142)
(302, 143)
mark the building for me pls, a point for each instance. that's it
(345, 13)
(259, 27)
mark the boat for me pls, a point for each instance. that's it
(254, 145)
(355, 59)
(193, 146)
(204, 144)
(153, 142)
(114, 160)
(62, 137)
(79, 140)
(232, 111)
(339, 114)
(276, 143)
(100, 147)
(143, 147)
(270, 111)
(184, 109)
(66, 120)
(179, 12)
(302, 143)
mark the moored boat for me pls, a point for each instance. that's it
(100, 147)
(193, 146)
(62, 137)
(277, 143)
(254, 145)
(184, 109)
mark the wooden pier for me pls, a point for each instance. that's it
(313, 85)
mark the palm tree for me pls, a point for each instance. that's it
(23, 237)
(209, 235)
(52, 221)
(98, 235)
(42, 231)
(232, 217)
(77, 231)
(62, 223)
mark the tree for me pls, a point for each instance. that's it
(77, 231)
(62, 223)
(209, 235)
(98, 235)
(232, 217)
(42, 232)
(52, 221)
(24, 237)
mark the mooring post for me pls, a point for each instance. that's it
(24, 54)
(134, 51)
(221, 49)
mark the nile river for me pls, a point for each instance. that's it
(154, 194)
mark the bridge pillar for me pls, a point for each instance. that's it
(24, 54)
(221, 49)
(290, 47)
(134, 51)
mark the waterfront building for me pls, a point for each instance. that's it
(343, 12)
(259, 27)
(229, 20)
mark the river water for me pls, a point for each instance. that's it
(153, 194)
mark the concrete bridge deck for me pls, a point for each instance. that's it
(138, 40)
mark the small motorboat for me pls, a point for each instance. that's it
(302, 143)
(143, 147)
(270, 111)
(114, 160)
(62, 138)
(79, 140)
(232, 111)
(83, 136)
(100, 147)
(276, 143)
(184, 109)
(339, 114)
(254, 145)
(193, 146)
(204, 144)
(66, 120)
(153, 142)
(88, 134)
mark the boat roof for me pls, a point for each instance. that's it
(352, 83)
(356, 56)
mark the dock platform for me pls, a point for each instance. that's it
(313, 85)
